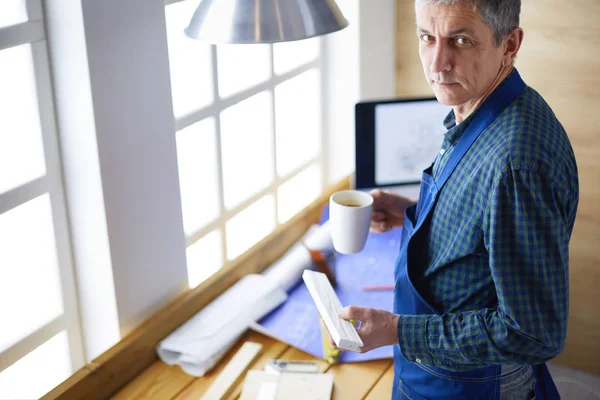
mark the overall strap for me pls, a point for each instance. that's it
(504, 94)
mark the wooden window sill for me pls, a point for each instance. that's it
(135, 354)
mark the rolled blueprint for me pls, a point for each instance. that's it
(198, 344)
(202, 340)
(286, 272)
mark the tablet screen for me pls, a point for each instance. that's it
(397, 140)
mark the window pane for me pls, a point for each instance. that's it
(29, 274)
(298, 121)
(298, 192)
(242, 66)
(38, 372)
(190, 62)
(12, 12)
(290, 55)
(249, 226)
(21, 148)
(204, 258)
(197, 161)
(247, 147)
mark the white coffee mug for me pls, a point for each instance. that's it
(350, 219)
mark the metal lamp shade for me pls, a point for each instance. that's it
(263, 21)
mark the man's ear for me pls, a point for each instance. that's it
(512, 44)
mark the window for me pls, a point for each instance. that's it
(248, 138)
(40, 339)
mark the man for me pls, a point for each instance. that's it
(481, 296)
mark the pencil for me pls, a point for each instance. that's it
(378, 288)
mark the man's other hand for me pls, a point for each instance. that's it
(388, 210)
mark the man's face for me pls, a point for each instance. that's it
(458, 52)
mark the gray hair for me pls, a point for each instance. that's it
(502, 16)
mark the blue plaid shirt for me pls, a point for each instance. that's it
(496, 247)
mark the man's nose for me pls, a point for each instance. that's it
(442, 58)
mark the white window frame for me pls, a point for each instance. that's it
(219, 104)
(80, 36)
(33, 32)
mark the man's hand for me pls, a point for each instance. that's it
(377, 328)
(388, 210)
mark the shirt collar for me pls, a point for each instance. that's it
(455, 131)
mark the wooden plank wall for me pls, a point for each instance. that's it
(560, 59)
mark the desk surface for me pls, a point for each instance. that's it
(370, 380)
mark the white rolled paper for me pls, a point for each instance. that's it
(286, 272)
(198, 344)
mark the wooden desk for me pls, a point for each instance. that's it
(370, 380)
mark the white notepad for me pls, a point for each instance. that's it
(343, 332)
(262, 385)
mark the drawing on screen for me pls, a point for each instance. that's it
(413, 157)
(408, 138)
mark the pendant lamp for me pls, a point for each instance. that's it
(263, 21)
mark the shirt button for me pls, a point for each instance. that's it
(442, 151)
(418, 360)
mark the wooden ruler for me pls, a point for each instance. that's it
(233, 372)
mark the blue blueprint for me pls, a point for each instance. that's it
(296, 321)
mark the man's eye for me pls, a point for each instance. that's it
(427, 38)
(462, 40)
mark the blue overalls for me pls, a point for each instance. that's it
(413, 380)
